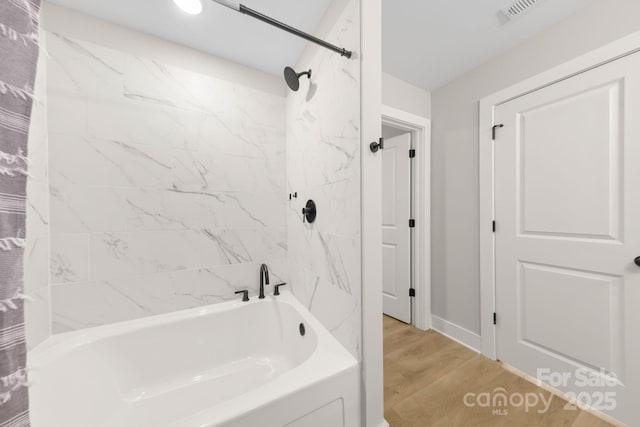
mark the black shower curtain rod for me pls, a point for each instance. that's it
(237, 6)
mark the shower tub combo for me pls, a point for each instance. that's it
(259, 363)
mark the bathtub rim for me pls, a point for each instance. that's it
(60, 344)
(328, 360)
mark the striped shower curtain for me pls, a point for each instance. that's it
(18, 57)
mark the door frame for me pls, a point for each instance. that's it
(370, 55)
(420, 129)
(611, 52)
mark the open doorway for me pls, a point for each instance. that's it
(397, 195)
(405, 224)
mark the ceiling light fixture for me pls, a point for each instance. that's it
(192, 7)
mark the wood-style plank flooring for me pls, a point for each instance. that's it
(427, 375)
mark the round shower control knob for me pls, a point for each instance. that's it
(309, 212)
(637, 261)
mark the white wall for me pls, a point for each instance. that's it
(167, 182)
(455, 259)
(399, 94)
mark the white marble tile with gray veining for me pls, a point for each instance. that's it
(118, 255)
(211, 171)
(315, 159)
(37, 313)
(323, 118)
(130, 121)
(240, 137)
(140, 122)
(161, 84)
(323, 164)
(337, 259)
(79, 67)
(338, 207)
(96, 209)
(85, 161)
(340, 313)
(69, 258)
(150, 107)
(175, 180)
(334, 258)
(83, 305)
(36, 254)
(337, 310)
(152, 82)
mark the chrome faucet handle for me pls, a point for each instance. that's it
(277, 287)
(245, 295)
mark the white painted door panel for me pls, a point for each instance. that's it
(396, 211)
(567, 180)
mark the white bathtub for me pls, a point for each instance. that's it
(231, 364)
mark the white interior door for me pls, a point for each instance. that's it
(396, 234)
(567, 182)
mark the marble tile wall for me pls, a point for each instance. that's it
(36, 261)
(167, 187)
(323, 164)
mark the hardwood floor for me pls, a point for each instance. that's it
(427, 376)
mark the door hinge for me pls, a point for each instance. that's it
(494, 130)
(412, 223)
(495, 318)
(493, 226)
(412, 153)
(412, 292)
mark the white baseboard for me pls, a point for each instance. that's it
(384, 424)
(457, 333)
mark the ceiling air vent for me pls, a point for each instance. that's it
(519, 8)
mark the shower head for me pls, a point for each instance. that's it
(293, 79)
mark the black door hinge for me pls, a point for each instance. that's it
(412, 223)
(495, 318)
(493, 226)
(493, 131)
(412, 292)
(412, 153)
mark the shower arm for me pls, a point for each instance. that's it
(237, 6)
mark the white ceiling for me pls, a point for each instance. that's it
(429, 43)
(218, 30)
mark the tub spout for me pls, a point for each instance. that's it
(264, 279)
